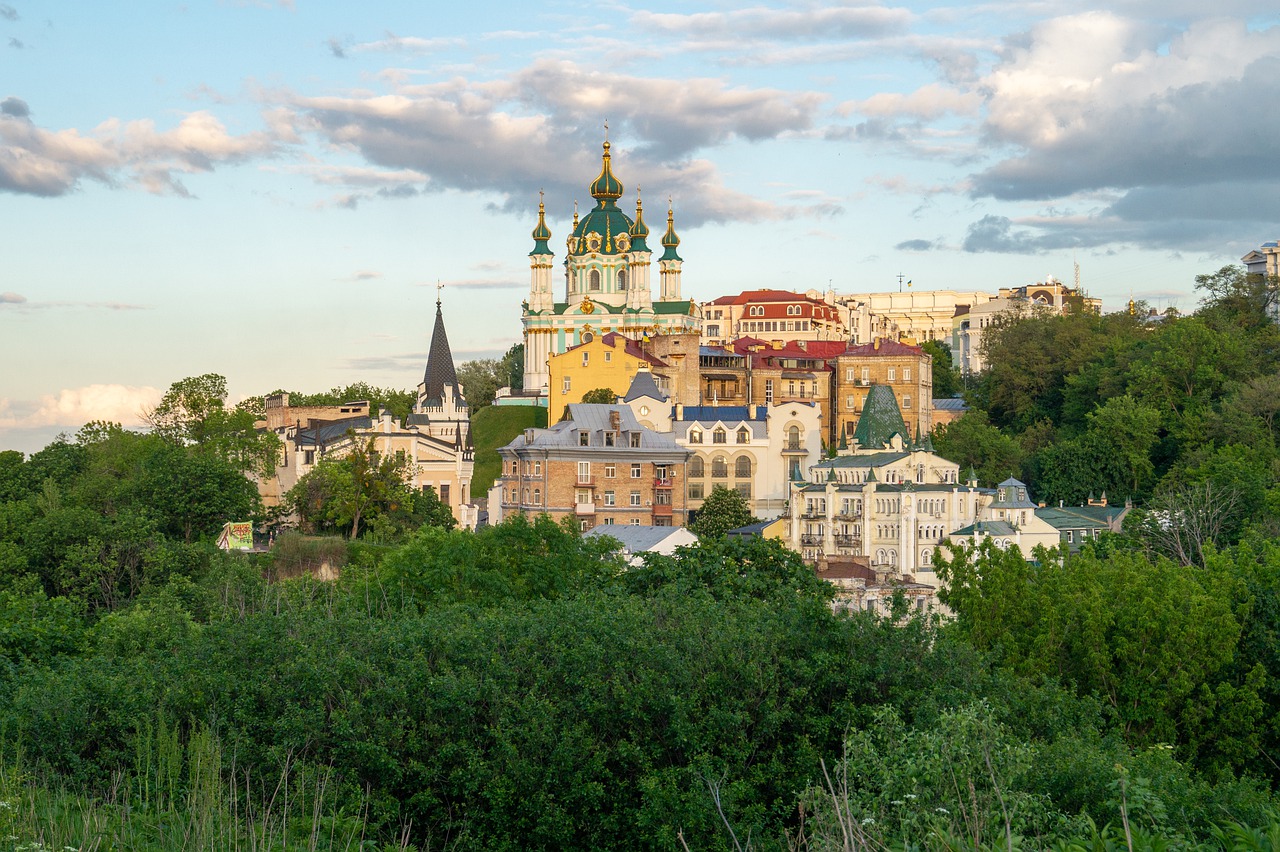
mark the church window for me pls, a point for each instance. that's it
(744, 436)
(742, 467)
(622, 279)
(594, 279)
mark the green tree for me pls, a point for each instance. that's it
(193, 412)
(971, 441)
(600, 396)
(481, 379)
(344, 492)
(946, 376)
(722, 510)
(398, 402)
(512, 367)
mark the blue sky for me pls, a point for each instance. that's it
(271, 191)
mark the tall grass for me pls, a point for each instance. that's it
(182, 793)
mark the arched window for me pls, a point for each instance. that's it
(926, 557)
(537, 496)
(744, 436)
(695, 467)
(594, 279)
(719, 467)
(793, 438)
(622, 279)
(742, 467)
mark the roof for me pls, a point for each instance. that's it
(644, 385)
(987, 528)
(595, 419)
(749, 530)
(1063, 519)
(950, 404)
(1016, 495)
(324, 432)
(747, 296)
(881, 419)
(637, 539)
(863, 460)
(440, 371)
(722, 413)
(633, 348)
(885, 349)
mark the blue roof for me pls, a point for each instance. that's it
(725, 413)
(950, 404)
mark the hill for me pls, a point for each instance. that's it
(494, 426)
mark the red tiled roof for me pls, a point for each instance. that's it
(633, 348)
(765, 296)
(887, 348)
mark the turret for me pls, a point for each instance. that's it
(639, 290)
(540, 260)
(670, 262)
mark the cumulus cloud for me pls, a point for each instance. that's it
(535, 129)
(916, 245)
(36, 161)
(73, 407)
(393, 43)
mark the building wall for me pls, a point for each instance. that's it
(908, 374)
(547, 482)
(603, 362)
(771, 315)
(916, 314)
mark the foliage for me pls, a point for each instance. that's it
(482, 378)
(723, 509)
(600, 396)
(398, 402)
(971, 441)
(947, 382)
(193, 412)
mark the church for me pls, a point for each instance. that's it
(607, 281)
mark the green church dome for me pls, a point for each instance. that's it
(606, 186)
(541, 233)
(605, 229)
(670, 240)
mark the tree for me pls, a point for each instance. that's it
(946, 377)
(722, 510)
(971, 441)
(600, 396)
(480, 380)
(193, 412)
(342, 493)
(512, 367)
(398, 402)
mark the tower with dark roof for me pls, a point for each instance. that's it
(441, 410)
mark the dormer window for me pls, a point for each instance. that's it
(610, 439)
(720, 436)
(635, 440)
(744, 436)
(584, 438)
(695, 436)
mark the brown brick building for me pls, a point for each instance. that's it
(906, 370)
(598, 466)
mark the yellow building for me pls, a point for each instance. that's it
(600, 361)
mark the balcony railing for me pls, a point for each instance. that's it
(669, 482)
(662, 510)
(810, 539)
(813, 513)
(581, 509)
(850, 515)
(586, 481)
(794, 447)
(846, 540)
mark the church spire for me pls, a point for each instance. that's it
(541, 233)
(670, 240)
(440, 372)
(639, 230)
(606, 187)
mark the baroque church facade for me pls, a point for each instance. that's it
(607, 280)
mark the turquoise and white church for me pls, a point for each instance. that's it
(607, 283)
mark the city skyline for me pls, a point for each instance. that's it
(272, 191)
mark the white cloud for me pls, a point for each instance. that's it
(36, 161)
(73, 407)
(826, 22)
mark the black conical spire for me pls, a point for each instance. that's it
(440, 371)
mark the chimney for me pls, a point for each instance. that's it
(877, 344)
(615, 420)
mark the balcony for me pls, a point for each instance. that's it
(662, 510)
(847, 541)
(849, 515)
(670, 482)
(811, 539)
(584, 509)
(586, 481)
(794, 448)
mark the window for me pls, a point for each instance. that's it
(565, 387)
(719, 468)
(584, 438)
(720, 436)
(695, 467)
(594, 279)
(608, 356)
(309, 457)
(743, 489)
(906, 374)
(537, 496)
(608, 522)
(893, 374)
(635, 471)
(537, 468)
(584, 525)
(635, 498)
(850, 403)
(768, 391)
(444, 493)
(610, 471)
(635, 522)
(848, 375)
(906, 402)
(742, 467)
(584, 471)
(610, 439)
(609, 498)
(744, 436)
(635, 440)
(793, 438)
(622, 279)
(866, 373)
(515, 468)
(695, 490)
(1070, 537)
(695, 436)
(662, 498)
(583, 497)
(586, 358)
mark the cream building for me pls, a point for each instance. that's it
(435, 438)
(916, 314)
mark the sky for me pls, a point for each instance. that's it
(272, 191)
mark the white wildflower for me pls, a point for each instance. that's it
(868, 821)
(942, 810)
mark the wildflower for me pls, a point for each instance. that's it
(897, 802)
(911, 795)
(868, 821)
(942, 810)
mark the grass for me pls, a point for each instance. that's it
(492, 427)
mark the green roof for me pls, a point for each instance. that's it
(541, 233)
(670, 240)
(639, 231)
(881, 419)
(606, 186)
(684, 306)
